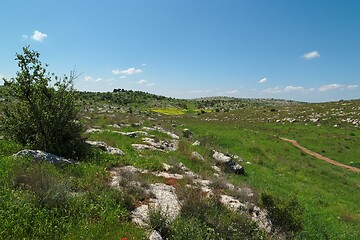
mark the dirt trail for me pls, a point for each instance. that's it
(296, 144)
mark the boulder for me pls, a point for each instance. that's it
(230, 164)
(103, 146)
(196, 155)
(187, 133)
(39, 155)
(155, 235)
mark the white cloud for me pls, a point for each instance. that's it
(293, 88)
(232, 91)
(122, 77)
(98, 79)
(331, 87)
(272, 90)
(311, 55)
(1, 78)
(142, 81)
(38, 36)
(263, 80)
(352, 87)
(88, 78)
(144, 64)
(128, 71)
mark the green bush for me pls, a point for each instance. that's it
(41, 115)
(285, 215)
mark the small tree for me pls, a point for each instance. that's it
(41, 115)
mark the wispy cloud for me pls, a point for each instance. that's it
(128, 71)
(144, 64)
(122, 77)
(293, 88)
(88, 78)
(1, 78)
(284, 89)
(330, 87)
(38, 36)
(311, 55)
(24, 36)
(352, 87)
(263, 80)
(232, 91)
(142, 81)
(272, 90)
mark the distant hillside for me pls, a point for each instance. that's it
(132, 98)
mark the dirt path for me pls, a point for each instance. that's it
(296, 144)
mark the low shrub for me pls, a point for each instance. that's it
(287, 216)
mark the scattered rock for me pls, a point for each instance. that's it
(229, 163)
(163, 145)
(169, 175)
(132, 134)
(103, 146)
(232, 203)
(196, 143)
(187, 133)
(160, 129)
(140, 215)
(196, 155)
(39, 155)
(145, 147)
(220, 157)
(167, 167)
(166, 199)
(93, 130)
(155, 235)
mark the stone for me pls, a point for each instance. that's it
(39, 155)
(160, 129)
(103, 146)
(229, 163)
(187, 133)
(171, 145)
(93, 130)
(155, 235)
(196, 155)
(196, 143)
(145, 147)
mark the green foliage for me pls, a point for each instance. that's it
(40, 115)
(285, 215)
(159, 221)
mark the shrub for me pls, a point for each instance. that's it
(39, 115)
(159, 221)
(285, 215)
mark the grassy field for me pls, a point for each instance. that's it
(42, 201)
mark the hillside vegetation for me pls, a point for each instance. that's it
(304, 197)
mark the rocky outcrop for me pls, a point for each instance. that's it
(197, 156)
(103, 146)
(229, 163)
(154, 144)
(160, 129)
(187, 133)
(39, 155)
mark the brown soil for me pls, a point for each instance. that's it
(296, 144)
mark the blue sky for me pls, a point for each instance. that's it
(306, 50)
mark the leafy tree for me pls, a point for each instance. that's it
(41, 115)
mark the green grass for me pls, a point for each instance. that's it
(328, 193)
(75, 201)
